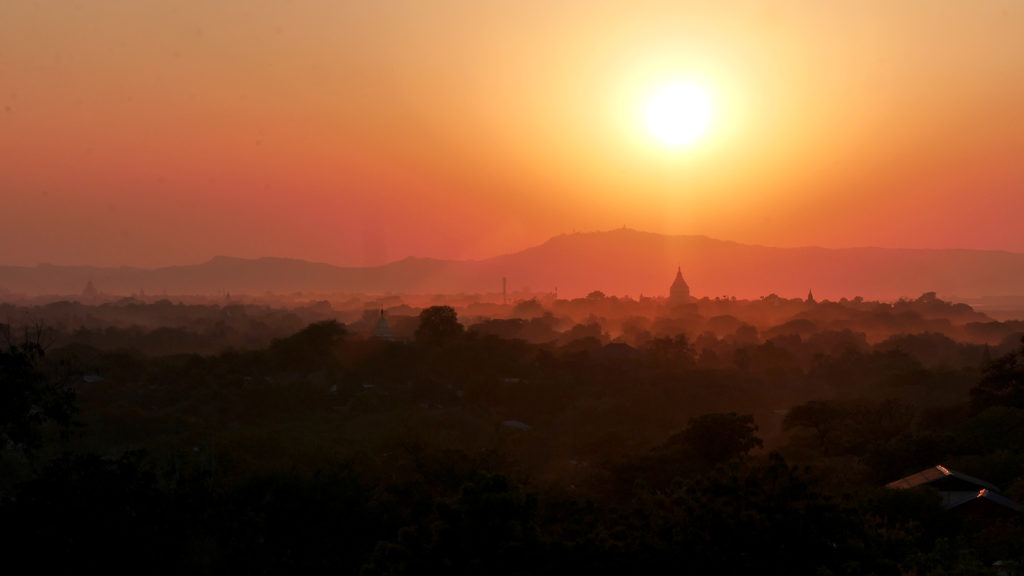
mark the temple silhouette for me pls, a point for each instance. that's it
(679, 292)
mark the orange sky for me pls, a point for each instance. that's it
(169, 131)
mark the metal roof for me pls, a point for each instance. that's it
(944, 480)
(956, 499)
(983, 498)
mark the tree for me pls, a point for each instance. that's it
(438, 325)
(1002, 383)
(770, 517)
(671, 352)
(815, 415)
(528, 309)
(311, 348)
(858, 428)
(718, 438)
(28, 398)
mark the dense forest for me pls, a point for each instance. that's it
(594, 435)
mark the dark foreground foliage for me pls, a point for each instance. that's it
(85, 513)
(467, 453)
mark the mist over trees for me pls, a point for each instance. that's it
(545, 435)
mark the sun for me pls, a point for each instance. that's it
(679, 114)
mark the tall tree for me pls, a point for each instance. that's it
(439, 325)
(1002, 383)
(28, 398)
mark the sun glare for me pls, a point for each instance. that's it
(678, 115)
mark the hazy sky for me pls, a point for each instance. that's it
(167, 131)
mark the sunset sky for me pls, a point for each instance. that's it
(160, 132)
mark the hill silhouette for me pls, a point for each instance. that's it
(618, 262)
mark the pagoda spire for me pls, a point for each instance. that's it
(679, 292)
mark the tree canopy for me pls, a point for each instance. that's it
(438, 325)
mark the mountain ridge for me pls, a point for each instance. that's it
(620, 262)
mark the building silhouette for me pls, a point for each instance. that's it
(679, 292)
(382, 331)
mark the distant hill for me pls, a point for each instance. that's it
(630, 262)
(616, 262)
